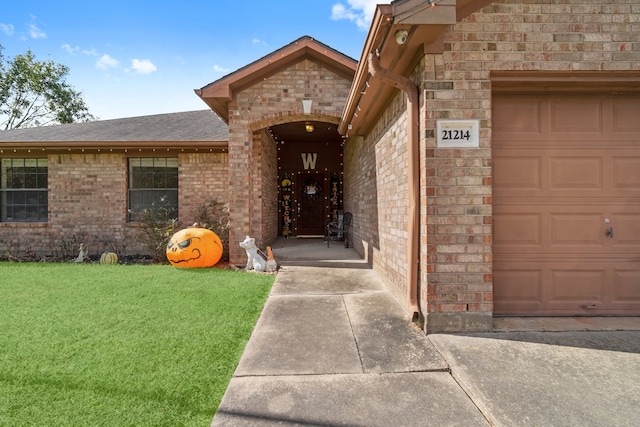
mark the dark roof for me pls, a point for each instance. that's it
(202, 125)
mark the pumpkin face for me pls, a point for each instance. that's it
(194, 247)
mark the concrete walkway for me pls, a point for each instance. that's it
(334, 348)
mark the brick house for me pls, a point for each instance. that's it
(489, 151)
(90, 193)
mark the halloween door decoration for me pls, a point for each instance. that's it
(334, 197)
(287, 205)
(194, 247)
(311, 189)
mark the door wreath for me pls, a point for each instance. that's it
(311, 189)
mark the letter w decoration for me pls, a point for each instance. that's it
(309, 160)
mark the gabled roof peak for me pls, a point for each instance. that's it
(219, 93)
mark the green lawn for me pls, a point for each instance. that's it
(121, 345)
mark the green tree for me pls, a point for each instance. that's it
(35, 93)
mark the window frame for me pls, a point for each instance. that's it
(153, 186)
(29, 191)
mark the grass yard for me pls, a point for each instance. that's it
(121, 345)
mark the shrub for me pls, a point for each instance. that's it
(156, 226)
(67, 247)
(214, 216)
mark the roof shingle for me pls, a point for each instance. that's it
(202, 125)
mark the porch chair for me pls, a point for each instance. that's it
(339, 229)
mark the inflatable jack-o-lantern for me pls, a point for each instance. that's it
(194, 247)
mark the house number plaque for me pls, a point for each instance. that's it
(458, 133)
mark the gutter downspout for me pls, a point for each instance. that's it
(413, 174)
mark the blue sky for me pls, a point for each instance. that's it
(132, 58)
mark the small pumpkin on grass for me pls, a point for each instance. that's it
(194, 247)
(108, 258)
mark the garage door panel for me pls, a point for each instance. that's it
(521, 288)
(561, 182)
(626, 232)
(548, 230)
(626, 173)
(549, 287)
(519, 116)
(626, 289)
(576, 232)
(624, 116)
(575, 115)
(517, 173)
(563, 174)
(575, 287)
(518, 229)
(576, 173)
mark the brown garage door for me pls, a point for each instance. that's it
(566, 190)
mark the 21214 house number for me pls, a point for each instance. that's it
(458, 133)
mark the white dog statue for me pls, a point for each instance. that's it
(82, 255)
(254, 259)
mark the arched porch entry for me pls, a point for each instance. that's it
(309, 174)
(303, 81)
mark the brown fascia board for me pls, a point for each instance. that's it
(465, 8)
(219, 93)
(425, 24)
(382, 20)
(420, 12)
(219, 105)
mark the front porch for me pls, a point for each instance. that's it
(313, 252)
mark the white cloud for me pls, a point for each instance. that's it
(90, 52)
(36, 33)
(143, 66)
(106, 61)
(7, 29)
(70, 50)
(256, 41)
(220, 69)
(358, 11)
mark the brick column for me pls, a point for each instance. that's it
(240, 187)
(456, 207)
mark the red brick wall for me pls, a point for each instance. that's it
(240, 183)
(88, 196)
(376, 193)
(456, 283)
(274, 100)
(88, 203)
(544, 36)
(268, 172)
(202, 178)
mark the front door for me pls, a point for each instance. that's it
(311, 197)
(309, 176)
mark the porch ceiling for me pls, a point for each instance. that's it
(296, 132)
